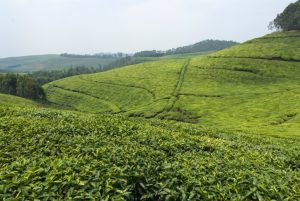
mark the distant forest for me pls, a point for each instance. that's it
(43, 77)
(21, 85)
(203, 46)
(98, 55)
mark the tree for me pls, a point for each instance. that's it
(289, 19)
(21, 85)
(8, 84)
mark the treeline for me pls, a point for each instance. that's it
(43, 77)
(203, 46)
(98, 55)
(150, 53)
(289, 19)
(21, 85)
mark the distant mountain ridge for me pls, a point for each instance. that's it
(202, 46)
(51, 62)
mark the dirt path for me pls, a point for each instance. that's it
(176, 91)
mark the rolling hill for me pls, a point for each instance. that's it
(253, 87)
(106, 61)
(49, 62)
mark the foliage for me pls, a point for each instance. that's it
(88, 157)
(289, 19)
(21, 85)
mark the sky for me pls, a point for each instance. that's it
(34, 27)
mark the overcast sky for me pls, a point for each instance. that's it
(30, 27)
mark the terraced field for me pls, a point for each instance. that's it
(253, 87)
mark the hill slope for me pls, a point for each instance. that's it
(253, 87)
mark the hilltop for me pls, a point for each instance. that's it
(252, 87)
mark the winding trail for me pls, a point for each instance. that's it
(175, 93)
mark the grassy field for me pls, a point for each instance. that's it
(49, 62)
(253, 87)
(48, 154)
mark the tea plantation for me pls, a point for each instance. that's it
(223, 126)
(253, 87)
(48, 154)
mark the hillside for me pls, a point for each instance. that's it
(48, 154)
(49, 62)
(252, 87)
